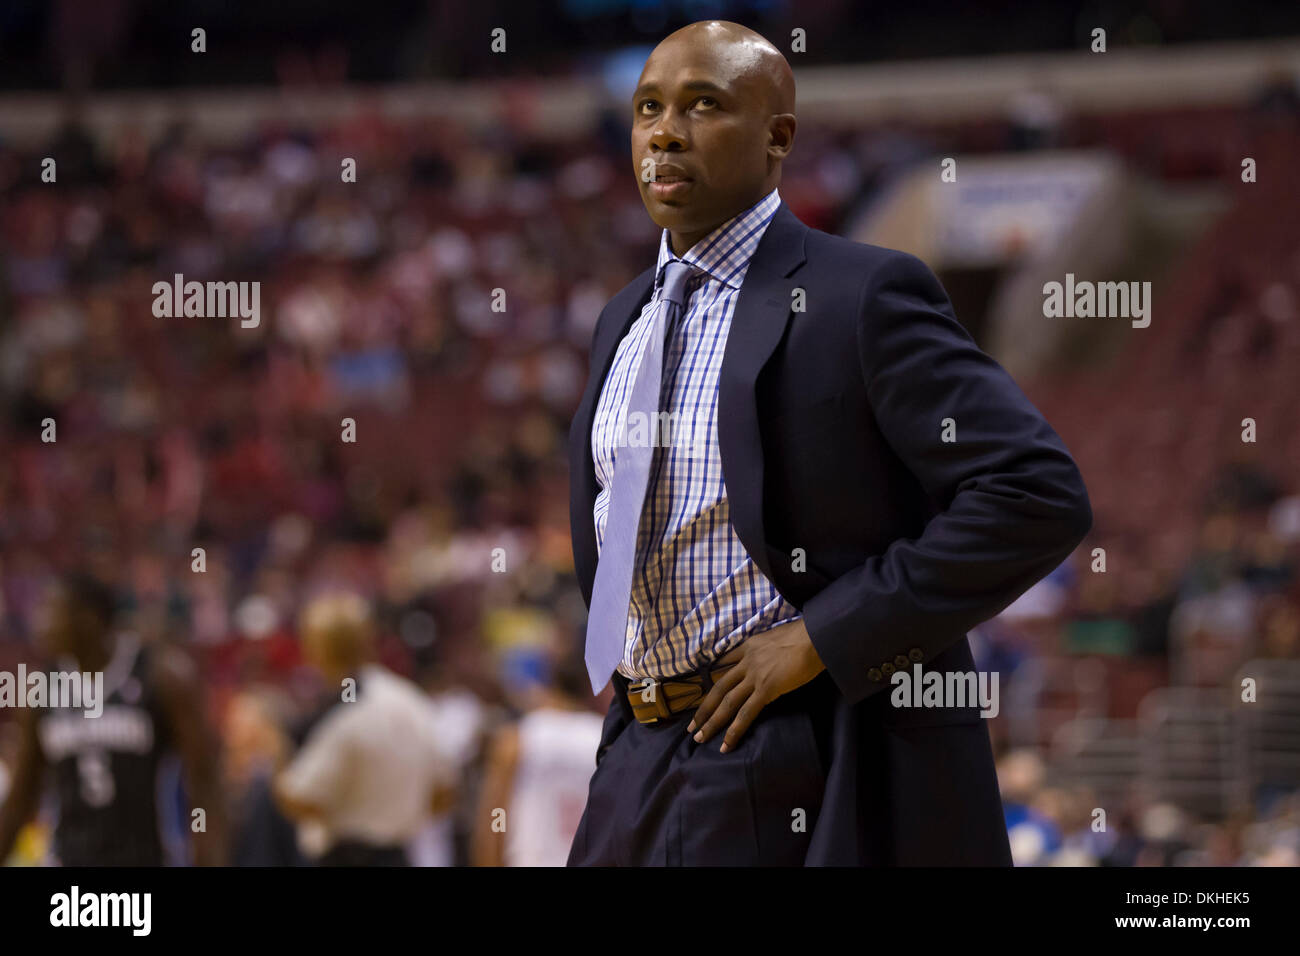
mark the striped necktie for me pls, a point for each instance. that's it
(611, 594)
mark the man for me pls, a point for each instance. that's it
(104, 767)
(371, 771)
(759, 583)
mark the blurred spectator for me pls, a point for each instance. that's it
(372, 770)
(535, 783)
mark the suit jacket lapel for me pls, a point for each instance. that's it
(759, 321)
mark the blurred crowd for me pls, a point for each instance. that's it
(1081, 651)
(443, 302)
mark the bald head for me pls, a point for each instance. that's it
(713, 119)
(743, 55)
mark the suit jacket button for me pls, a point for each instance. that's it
(874, 673)
(900, 661)
(886, 668)
(916, 655)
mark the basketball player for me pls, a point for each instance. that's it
(104, 769)
(537, 772)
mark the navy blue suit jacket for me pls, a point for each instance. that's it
(830, 423)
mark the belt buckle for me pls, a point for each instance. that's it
(661, 705)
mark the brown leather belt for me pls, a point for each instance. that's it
(653, 700)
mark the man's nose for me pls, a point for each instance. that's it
(668, 134)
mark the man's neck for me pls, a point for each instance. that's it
(681, 242)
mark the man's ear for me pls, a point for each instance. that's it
(780, 135)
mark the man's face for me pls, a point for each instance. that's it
(704, 125)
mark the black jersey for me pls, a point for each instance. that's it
(106, 768)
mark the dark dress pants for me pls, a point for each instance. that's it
(657, 798)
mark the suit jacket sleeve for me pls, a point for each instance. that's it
(1014, 502)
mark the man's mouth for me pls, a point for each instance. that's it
(669, 185)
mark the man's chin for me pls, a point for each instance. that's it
(671, 216)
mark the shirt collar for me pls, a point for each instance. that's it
(725, 252)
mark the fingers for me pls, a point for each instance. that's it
(726, 710)
(744, 717)
(712, 699)
(736, 711)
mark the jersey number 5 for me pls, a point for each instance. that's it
(96, 779)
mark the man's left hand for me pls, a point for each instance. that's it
(767, 665)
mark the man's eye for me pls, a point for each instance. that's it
(708, 101)
(641, 107)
